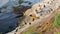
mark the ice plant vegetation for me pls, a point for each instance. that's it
(57, 19)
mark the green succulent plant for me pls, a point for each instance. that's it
(57, 19)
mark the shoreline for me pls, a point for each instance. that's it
(34, 7)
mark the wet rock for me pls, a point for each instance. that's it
(44, 6)
(33, 19)
(31, 15)
(29, 23)
(16, 30)
(25, 23)
(20, 9)
(19, 16)
(20, 1)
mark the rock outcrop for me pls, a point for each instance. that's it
(37, 14)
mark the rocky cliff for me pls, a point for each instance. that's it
(39, 13)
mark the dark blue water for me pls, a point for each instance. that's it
(9, 21)
(7, 17)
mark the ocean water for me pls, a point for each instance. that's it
(31, 1)
(7, 16)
